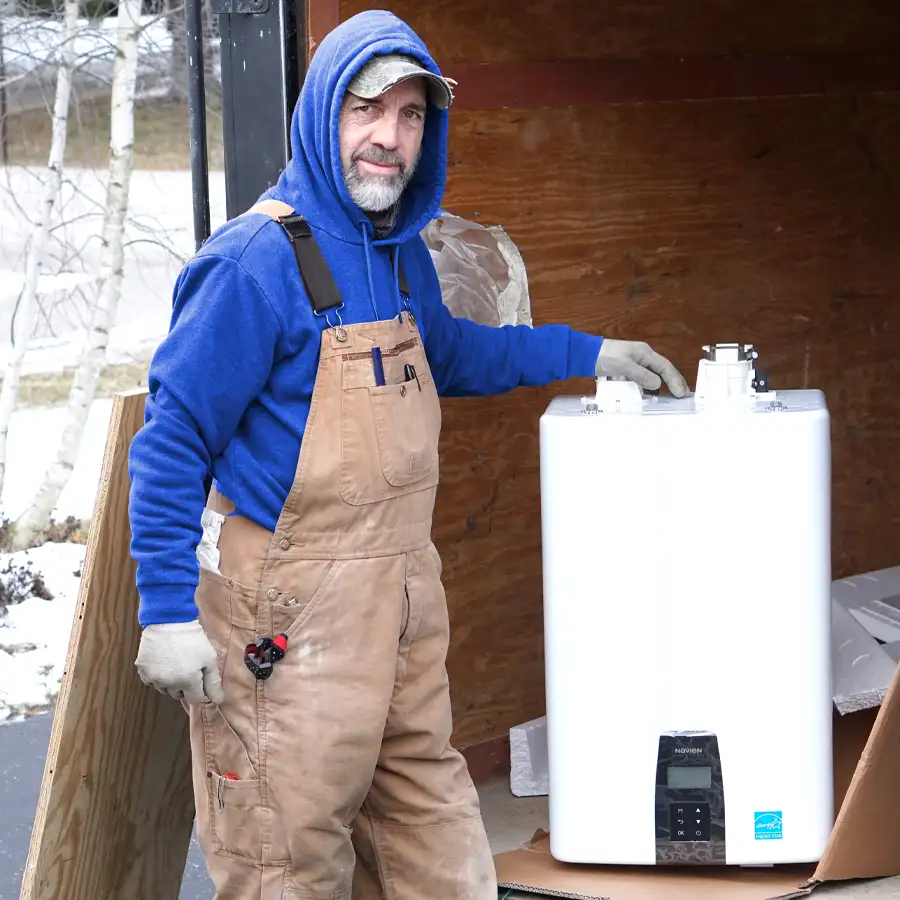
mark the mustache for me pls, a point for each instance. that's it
(380, 155)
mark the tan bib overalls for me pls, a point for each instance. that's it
(335, 778)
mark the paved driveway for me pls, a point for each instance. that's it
(23, 748)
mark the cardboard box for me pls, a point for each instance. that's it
(865, 839)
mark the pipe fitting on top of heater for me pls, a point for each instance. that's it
(615, 393)
(727, 377)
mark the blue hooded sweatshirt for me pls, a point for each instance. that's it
(230, 386)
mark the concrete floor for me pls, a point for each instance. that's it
(511, 821)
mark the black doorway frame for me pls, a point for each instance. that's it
(263, 59)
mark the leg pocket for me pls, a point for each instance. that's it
(242, 820)
(231, 745)
(453, 859)
(235, 815)
(227, 751)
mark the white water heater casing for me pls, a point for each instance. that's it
(687, 577)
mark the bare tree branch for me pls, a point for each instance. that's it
(37, 516)
(27, 304)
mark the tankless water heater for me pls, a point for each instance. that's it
(686, 554)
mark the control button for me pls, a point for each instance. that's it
(689, 821)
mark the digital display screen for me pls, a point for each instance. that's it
(689, 777)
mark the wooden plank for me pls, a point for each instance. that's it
(773, 221)
(459, 31)
(322, 16)
(557, 53)
(115, 811)
(487, 528)
(529, 85)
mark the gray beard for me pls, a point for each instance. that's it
(378, 194)
(375, 193)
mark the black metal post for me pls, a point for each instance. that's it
(197, 119)
(263, 62)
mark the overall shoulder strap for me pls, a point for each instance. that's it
(320, 284)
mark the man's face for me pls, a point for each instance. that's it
(380, 143)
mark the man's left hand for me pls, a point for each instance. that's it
(638, 362)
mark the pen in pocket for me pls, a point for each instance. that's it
(378, 366)
(410, 372)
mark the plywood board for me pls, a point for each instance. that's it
(775, 222)
(545, 30)
(116, 809)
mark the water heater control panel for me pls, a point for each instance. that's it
(690, 798)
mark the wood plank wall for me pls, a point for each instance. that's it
(768, 213)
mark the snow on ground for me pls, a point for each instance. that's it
(34, 634)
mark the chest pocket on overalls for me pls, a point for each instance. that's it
(390, 431)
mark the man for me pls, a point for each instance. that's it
(312, 399)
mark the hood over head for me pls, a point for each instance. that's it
(313, 181)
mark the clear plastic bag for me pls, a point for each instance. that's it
(480, 269)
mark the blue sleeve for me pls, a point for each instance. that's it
(215, 360)
(469, 359)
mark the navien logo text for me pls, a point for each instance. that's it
(688, 749)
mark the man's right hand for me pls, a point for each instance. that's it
(178, 659)
(640, 363)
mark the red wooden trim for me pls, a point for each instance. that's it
(488, 760)
(577, 82)
(527, 85)
(322, 16)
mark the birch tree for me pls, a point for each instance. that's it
(27, 306)
(109, 284)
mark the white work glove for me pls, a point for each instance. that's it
(638, 362)
(177, 658)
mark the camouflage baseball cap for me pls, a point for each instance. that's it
(381, 73)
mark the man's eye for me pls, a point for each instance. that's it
(363, 108)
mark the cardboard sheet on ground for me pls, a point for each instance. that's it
(532, 869)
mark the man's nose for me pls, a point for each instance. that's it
(387, 131)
